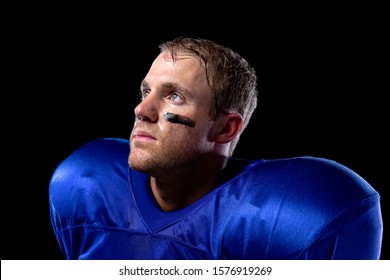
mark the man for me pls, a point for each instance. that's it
(174, 191)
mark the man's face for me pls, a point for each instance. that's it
(173, 125)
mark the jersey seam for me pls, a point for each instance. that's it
(156, 235)
(330, 224)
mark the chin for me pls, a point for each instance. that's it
(141, 164)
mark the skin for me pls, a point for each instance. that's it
(184, 162)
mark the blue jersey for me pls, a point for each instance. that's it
(293, 208)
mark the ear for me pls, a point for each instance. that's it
(228, 126)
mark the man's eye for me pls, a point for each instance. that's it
(176, 97)
(144, 93)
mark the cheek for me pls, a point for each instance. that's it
(185, 137)
(198, 138)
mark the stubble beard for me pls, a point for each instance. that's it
(159, 164)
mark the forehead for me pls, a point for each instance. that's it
(185, 70)
(182, 63)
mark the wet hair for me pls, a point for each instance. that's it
(233, 81)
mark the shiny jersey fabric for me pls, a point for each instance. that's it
(293, 208)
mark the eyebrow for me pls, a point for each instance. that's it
(169, 86)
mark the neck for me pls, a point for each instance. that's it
(180, 189)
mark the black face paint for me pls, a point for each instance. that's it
(175, 118)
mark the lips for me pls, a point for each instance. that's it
(142, 135)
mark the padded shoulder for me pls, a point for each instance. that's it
(84, 181)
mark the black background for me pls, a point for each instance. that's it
(73, 74)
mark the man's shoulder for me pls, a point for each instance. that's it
(306, 176)
(89, 181)
(97, 159)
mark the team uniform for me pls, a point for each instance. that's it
(294, 208)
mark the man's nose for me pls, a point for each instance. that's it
(147, 109)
